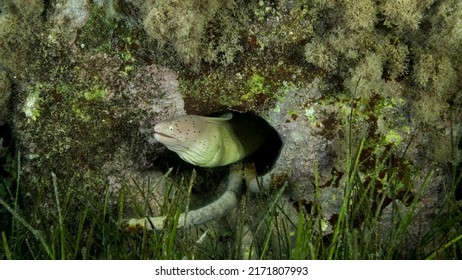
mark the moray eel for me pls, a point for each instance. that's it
(219, 139)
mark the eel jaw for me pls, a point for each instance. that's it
(162, 138)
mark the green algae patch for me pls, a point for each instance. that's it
(95, 95)
(31, 107)
(107, 34)
(256, 85)
(94, 34)
(393, 137)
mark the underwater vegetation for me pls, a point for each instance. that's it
(366, 96)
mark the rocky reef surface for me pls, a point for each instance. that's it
(82, 84)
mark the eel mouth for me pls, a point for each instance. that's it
(161, 137)
(163, 134)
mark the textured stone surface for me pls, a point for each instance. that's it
(5, 92)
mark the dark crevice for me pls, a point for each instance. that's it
(8, 174)
(46, 9)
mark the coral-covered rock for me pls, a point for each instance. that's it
(20, 22)
(370, 84)
(68, 17)
(5, 92)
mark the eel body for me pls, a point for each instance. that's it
(211, 141)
